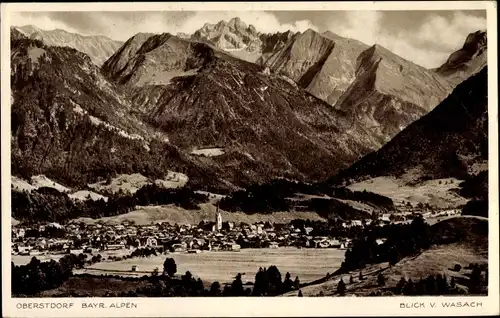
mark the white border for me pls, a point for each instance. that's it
(282, 306)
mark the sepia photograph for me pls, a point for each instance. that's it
(312, 153)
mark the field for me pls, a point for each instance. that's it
(307, 264)
(173, 214)
(438, 193)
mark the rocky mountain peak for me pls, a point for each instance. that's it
(232, 35)
(468, 60)
(475, 40)
(237, 24)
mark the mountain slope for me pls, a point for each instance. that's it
(99, 48)
(121, 56)
(252, 126)
(447, 142)
(156, 60)
(69, 123)
(390, 92)
(380, 90)
(467, 61)
(324, 64)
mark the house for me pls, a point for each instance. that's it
(179, 247)
(235, 247)
(308, 230)
(56, 225)
(380, 241)
(115, 247)
(334, 243)
(273, 245)
(386, 217)
(356, 223)
(151, 241)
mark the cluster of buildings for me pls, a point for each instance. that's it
(211, 236)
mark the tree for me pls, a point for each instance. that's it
(188, 277)
(457, 267)
(431, 285)
(442, 285)
(475, 280)
(214, 289)
(275, 282)
(341, 288)
(155, 272)
(237, 286)
(261, 283)
(226, 291)
(169, 267)
(381, 279)
(296, 283)
(401, 284)
(300, 293)
(351, 280)
(409, 288)
(453, 285)
(288, 284)
(360, 276)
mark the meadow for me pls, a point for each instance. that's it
(223, 266)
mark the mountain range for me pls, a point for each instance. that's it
(98, 47)
(226, 105)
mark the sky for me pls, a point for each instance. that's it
(426, 38)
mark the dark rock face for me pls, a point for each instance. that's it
(447, 142)
(467, 61)
(99, 48)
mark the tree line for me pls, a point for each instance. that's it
(400, 240)
(276, 196)
(37, 276)
(48, 204)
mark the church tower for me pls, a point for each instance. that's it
(218, 220)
